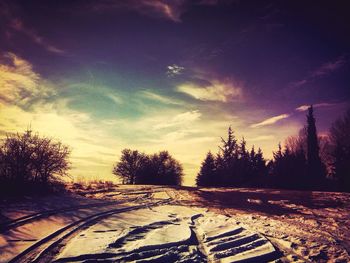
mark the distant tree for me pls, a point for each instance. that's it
(221, 169)
(229, 170)
(258, 168)
(340, 140)
(316, 170)
(27, 160)
(130, 166)
(233, 165)
(168, 171)
(289, 168)
(207, 173)
(296, 143)
(138, 168)
(229, 147)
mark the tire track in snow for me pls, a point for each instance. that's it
(40, 251)
(223, 242)
(47, 213)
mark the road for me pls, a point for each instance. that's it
(130, 224)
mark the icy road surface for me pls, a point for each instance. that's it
(130, 224)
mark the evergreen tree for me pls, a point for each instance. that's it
(260, 164)
(316, 170)
(233, 165)
(220, 171)
(243, 153)
(340, 139)
(206, 175)
(289, 169)
(227, 169)
(229, 147)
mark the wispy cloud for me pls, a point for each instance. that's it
(329, 67)
(19, 26)
(171, 10)
(174, 70)
(270, 121)
(215, 91)
(324, 70)
(156, 97)
(262, 138)
(180, 120)
(116, 99)
(317, 105)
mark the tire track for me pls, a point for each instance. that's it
(42, 248)
(47, 213)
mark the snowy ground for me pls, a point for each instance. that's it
(164, 224)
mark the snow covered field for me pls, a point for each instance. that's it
(165, 224)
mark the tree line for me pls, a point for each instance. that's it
(233, 165)
(29, 162)
(307, 161)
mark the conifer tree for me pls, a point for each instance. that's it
(316, 171)
(229, 147)
(206, 175)
(340, 140)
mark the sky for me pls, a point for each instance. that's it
(153, 75)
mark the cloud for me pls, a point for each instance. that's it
(174, 70)
(180, 120)
(18, 81)
(270, 121)
(298, 83)
(18, 25)
(156, 97)
(317, 105)
(324, 70)
(215, 91)
(262, 138)
(117, 100)
(171, 10)
(329, 67)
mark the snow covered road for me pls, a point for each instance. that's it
(132, 224)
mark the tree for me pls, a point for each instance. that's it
(167, 170)
(28, 160)
(130, 166)
(228, 170)
(206, 175)
(299, 142)
(233, 165)
(138, 168)
(258, 168)
(340, 140)
(229, 147)
(289, 168)
(316, 170)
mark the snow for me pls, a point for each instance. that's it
(177, 224)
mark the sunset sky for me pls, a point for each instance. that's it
(170, 75)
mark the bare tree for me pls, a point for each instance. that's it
(130, 164)
(28, 158)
